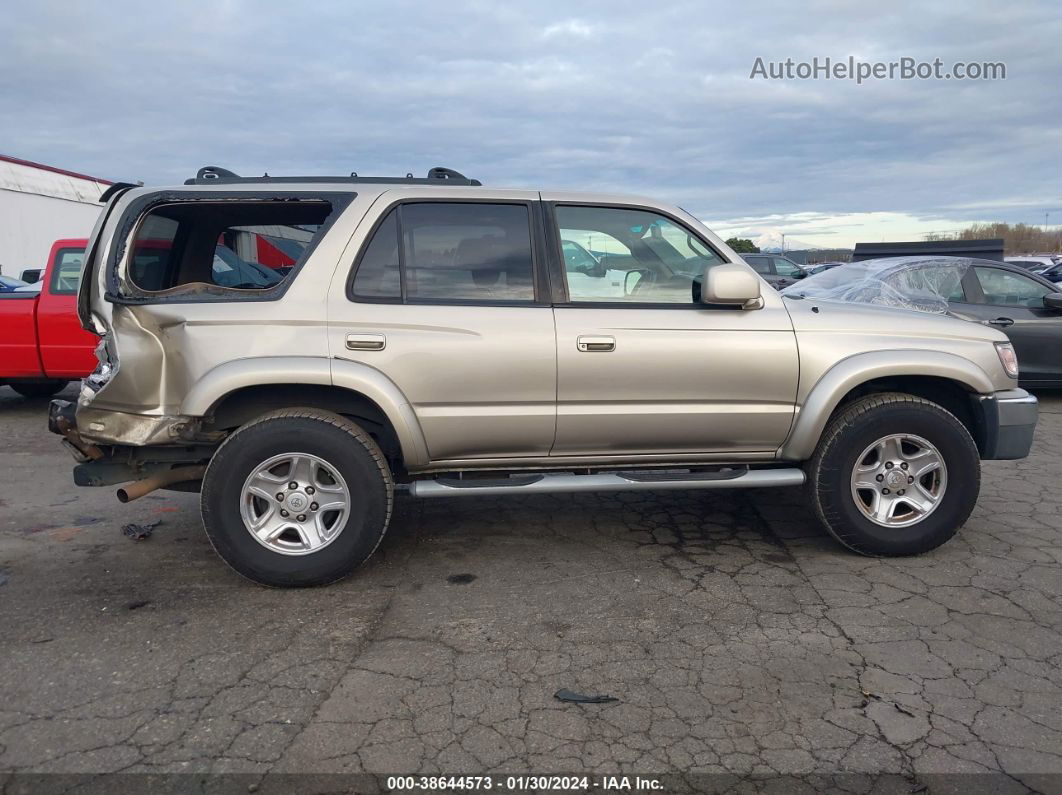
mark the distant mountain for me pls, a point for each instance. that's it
(771, 240)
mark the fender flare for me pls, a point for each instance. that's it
(353, 376)
(849, 373)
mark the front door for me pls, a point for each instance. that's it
(643, 367)
(67, 350)
(1014, 303)
(443, 300)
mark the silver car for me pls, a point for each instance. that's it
(432, 336)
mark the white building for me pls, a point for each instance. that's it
(39, 205)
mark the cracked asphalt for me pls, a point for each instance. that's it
(737, 637)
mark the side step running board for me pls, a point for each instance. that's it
(554, 483)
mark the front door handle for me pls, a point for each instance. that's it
(1002, 322)
(366, 342)
(595, 344)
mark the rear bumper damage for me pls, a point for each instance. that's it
(137, 430)
(174, 464)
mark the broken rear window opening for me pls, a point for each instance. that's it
(221, 248)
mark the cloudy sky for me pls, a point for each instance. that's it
(652, 98)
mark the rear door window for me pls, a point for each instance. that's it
(441, 252)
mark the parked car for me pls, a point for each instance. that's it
(779, 271)
(1053, 274)
(823, 266)
(1026, 307)
(10, 284)
(42, 344)
(1031, 263)
(430, 336)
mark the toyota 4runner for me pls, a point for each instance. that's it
(298, 348)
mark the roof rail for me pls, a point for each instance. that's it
(215, 175)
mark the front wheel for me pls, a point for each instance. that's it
(297, 497)
(894, 475)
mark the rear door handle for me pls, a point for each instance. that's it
(366, 342)
(595, 344)
(1002, 322)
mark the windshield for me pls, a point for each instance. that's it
(10, 282)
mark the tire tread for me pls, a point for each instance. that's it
(340, 423)
(841, 424)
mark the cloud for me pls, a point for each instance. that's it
(651, 100)
(569, 27)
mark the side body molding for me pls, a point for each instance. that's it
(849, 373)
(360, 378)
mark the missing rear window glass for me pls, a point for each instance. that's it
(222, 247)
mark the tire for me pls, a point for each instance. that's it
(38, 389)
(837, 493)
(343, 459)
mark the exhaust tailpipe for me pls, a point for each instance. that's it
(139, 488)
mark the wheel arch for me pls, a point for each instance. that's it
(235, 392)
(944, 378)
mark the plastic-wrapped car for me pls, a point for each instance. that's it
(1023, 305)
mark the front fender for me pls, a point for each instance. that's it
(366, 381)
(849, 373)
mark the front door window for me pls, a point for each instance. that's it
(618, 255)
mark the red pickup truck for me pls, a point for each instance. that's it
(42, 344)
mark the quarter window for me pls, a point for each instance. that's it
(440, 252)
(615, 254)
(240, 246)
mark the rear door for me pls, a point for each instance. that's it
(643, 367)
(447, 299)
(1014, 303)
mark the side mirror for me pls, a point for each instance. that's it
(1053, 301)
(632, 280)
(731, 284)
(800, 275)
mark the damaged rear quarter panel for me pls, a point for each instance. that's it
(166, 344)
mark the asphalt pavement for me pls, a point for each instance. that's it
(736, 637)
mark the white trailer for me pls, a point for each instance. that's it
(41, 204)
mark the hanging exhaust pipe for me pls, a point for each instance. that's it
(139, 488)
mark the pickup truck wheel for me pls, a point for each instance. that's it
(894, 475)
(38, 389)
(298, 497)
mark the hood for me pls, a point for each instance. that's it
(845, 317)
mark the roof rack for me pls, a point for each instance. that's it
(215, 175)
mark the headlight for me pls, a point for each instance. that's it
(1008, 358)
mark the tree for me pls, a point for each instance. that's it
(1017, 238)
(742, 245)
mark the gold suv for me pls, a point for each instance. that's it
(299, 348)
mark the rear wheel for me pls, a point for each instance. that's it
(38, 389)
(894, 475)
(297, 497)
